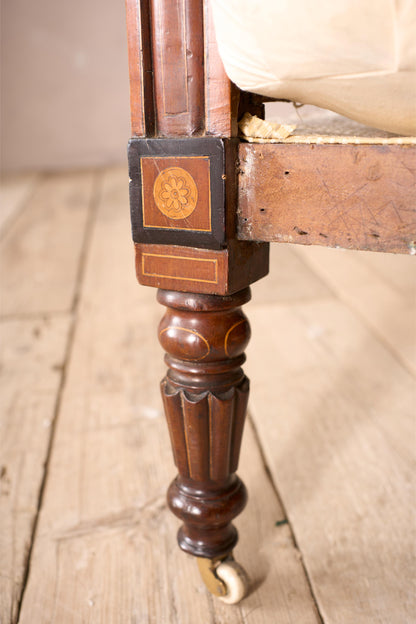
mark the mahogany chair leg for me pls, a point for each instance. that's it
(205, 394)
(183, 169)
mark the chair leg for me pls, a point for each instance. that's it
(205, 395)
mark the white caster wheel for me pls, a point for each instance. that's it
(224, 578)
(235, 580)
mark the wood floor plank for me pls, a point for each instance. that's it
(280, 592)
(105, 550)
(31, 360)
(41, 217)
(387, 308)
(398, 270)
(290, 279)
(335, 414)
(14, 190)
(41, 248)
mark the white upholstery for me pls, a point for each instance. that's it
(355, 57)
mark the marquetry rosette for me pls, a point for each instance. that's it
(175, 193)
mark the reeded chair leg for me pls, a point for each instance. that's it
(183, 167)
(205, 394)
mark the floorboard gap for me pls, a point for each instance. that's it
(95, 198)
(17, 213)
(286, 520)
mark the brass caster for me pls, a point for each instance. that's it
(224, 578)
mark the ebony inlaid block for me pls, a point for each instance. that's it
(178, 191)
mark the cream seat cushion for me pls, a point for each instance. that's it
(355, 57)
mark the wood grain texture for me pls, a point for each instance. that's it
(208, 271)
(289, 280)
(221, 95)
(335, 415)
(42, 256)
(396, 271)
(185, 268)
(33, 351)
(181, 191)
(178, 66)
(362, 282)
(105, 549)
(205, 394)
(14, 190)
(32, 357)
(358, 197)
(140, 68)
(104, 511)
(176, 193)
(178, 85)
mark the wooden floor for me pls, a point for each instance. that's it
(328, 535)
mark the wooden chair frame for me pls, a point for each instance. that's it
(204, 205)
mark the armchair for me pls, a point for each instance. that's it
(204, 207)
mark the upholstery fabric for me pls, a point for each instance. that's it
(355, 57)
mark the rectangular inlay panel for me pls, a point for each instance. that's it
(176, 193)
(180, 267)
(211, 271)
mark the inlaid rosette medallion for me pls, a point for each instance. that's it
(175, 193)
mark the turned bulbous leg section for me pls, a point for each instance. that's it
(207, 530)
(205, 394)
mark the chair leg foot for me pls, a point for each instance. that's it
(224, 578)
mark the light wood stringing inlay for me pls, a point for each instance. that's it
(189, 261)
(204, 207)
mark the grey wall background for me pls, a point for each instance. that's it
(64, 84)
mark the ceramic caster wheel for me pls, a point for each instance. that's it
(224, 578)
(235, 580)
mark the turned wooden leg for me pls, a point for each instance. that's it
(183, 168)
(204, 333)
(205, 395)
